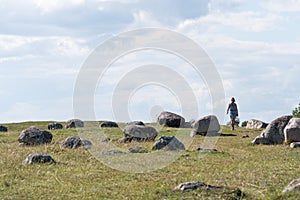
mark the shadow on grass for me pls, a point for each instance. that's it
(220, 134)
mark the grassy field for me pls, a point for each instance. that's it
(261, 172)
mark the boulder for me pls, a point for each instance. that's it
(74, 123)
(35, 136)
(295, 145)
(206, 125)
(254, 123)
(38, 158)
(187, 125)
(137, 149)
(136, 123)
(55, 126)
(109, 124)
(168, 143)
(274, 133)
(294, 185)
(74, 142)
(3, 129)
(170, 119)
(139, 133)
(292, 131)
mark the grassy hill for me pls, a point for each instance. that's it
(261, 172)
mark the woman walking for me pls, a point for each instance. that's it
(232, 107)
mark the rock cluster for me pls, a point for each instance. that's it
(283, 129)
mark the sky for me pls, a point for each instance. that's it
(254, 45)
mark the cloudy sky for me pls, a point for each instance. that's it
(255, 46)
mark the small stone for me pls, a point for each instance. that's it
(38, 158)
(245, 136)
(55, 126)
(137, 149)
(193, 185)
(294, 185)
(105, 140)
(205, 150)
(112, 152)
(295, 145)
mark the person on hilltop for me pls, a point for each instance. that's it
(232, 107)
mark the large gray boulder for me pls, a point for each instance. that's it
(292, 131)
(208, 125)
(254, 123)
(38, 158)
(74, 123)
(274, 133)
(168, 143)
(3, 129)
(139, 133)
(294, 185)
(74, 142)
(109, 124)
(35, 136)
(170, 119)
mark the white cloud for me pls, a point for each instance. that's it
(245, 21)
(53, 5)
(224, 5)
(281, 5)
(143, 18)
(53, 45)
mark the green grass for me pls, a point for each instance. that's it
(261, 172)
